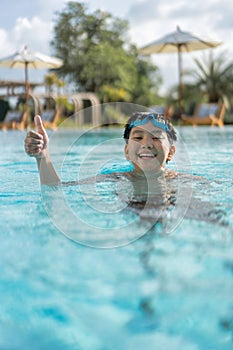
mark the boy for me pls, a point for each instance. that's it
(149, 145)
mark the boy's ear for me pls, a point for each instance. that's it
(171, 153)
(126, 151)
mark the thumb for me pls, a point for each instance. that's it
(39, 125)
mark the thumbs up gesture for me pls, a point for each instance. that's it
(36, 142)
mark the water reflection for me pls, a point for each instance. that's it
(118, 208)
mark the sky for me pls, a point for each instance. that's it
(31, 23)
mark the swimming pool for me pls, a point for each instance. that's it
(162, 291)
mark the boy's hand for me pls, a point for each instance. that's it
(36, 142)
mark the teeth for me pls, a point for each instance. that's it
(147, 155)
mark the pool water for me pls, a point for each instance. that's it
(158, 290)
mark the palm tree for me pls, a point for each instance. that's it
(214, 77)
(50, 80)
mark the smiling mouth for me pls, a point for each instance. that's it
(147, 156)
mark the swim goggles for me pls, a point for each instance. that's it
(157, 120)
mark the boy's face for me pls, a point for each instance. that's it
(148, 148)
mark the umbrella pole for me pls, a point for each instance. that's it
(27, 109)
(180, 80)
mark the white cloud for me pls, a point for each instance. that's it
(144, 11)
(5, 42)
(208, 18)
(34, 33)
(148, 19)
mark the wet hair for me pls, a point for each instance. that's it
(170, 131)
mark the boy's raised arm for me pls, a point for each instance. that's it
(36, 145)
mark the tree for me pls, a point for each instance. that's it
(214, 76)
(97, 55)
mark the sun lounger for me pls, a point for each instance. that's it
(206, 114)
(14, 120)
(50, 118)
(167, 111)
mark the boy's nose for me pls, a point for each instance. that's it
(147, 142)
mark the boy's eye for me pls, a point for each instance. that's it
(137, 138)
(158, 137)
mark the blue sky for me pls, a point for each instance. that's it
(31, 23)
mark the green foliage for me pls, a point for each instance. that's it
(191, 95)
(214, 76)
(51, 80)
(212, 81)
(113, 114)
(98, 57)
(110, 93)
(62, 101)
(147, 84)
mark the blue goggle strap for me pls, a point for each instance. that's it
(156, 120)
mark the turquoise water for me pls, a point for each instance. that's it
(162, 291)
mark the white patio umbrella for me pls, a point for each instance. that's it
(28, 59)
(179, 42)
